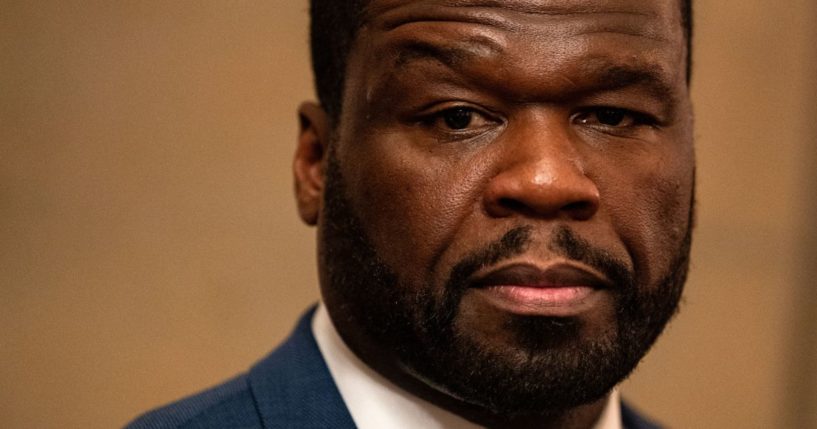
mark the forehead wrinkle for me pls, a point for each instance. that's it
(400, 18)
(518, 18)
(392, 14)
(621, 31)
(537, 8)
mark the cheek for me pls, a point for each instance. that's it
(650, 209)
(412, 205)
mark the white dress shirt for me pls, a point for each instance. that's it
(375, 403)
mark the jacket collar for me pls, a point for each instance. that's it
(292, 386)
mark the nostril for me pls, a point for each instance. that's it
(512, 204)
(580, 209)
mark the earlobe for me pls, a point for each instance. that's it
(307, 166)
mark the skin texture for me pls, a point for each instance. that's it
(490, 144)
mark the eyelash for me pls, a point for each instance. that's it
(637, 118)
(437, 118)
(633, 120)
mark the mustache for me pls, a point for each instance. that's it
(564, 242)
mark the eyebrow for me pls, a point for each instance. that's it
(604, 74)
(451, 56)
(609, 76)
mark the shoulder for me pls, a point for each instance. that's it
(230, 405)
(290, 387)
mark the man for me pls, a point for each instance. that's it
(503, 192)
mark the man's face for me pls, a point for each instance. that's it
(508, 195)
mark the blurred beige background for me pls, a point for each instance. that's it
(150, 245)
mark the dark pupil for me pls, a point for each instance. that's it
(610, 116)
(457, 119)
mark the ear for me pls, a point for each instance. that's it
(308, 165)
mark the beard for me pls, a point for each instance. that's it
(551, 366)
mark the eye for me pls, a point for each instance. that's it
(458, 118)
(612, 117)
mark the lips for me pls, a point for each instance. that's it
(561, 289)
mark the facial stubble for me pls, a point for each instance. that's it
(551, 368)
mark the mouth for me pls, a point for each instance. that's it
(561, 289)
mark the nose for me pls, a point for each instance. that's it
(542, 175)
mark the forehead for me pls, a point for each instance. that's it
(533, 40)
(654, 19)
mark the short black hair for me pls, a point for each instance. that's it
(334, 25)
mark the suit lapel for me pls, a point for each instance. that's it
(292, 386)
(630, 419)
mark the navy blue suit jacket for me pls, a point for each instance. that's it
(290, 388)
